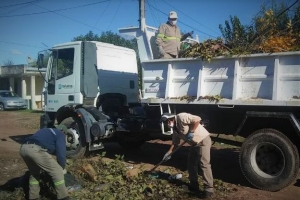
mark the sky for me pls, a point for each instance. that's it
(30, 26)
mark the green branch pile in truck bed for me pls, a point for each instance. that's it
(206, 50)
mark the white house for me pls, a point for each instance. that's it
(26, 81)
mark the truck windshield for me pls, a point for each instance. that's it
(62, 66)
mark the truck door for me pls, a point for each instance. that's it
(61, 80)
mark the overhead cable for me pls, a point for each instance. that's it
(102, 13)
(26, 45)
(189, 17)
(18, 4)
(114, 14)
(183, 23)
(48, 11)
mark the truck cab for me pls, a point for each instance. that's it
(79, 72)
(88, 82)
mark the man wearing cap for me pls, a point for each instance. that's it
(169, 37)
(189, 128)
(36, 152)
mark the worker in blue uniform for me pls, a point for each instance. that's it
(37, 151)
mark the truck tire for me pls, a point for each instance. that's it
(77, 133)
(269, 160)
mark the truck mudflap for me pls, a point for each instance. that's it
(86, 121)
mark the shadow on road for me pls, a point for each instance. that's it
(19, 138)
(297, 184)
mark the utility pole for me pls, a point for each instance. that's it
(142, 14)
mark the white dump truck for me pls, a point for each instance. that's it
(253, 96)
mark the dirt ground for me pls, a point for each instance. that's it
(16, 125)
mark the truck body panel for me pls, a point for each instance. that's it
(263, 79)
(117, 71)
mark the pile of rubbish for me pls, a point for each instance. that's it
(102, 178)
(206, 50)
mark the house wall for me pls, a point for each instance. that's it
(18, 78)
(39, 83)
(4, 83)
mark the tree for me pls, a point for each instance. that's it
(296, 25)
(273, 30)
(236, 36)
(8, 62)
(108, 37)
(112, 38)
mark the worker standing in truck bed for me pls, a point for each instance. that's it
(169, 37)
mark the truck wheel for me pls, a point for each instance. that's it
(76, 143)
(130, 140)
(269, 160)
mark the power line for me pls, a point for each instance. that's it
(157, 15)
(287, 9)
(26, 45)
(114, 15)
(256, 37)
(190, 17)
(102, 13)
(153, 16)
(18, 4)
(26, 5)
(48, 11)
(72, 18)
(183, 23)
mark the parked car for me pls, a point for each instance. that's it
(10, 100)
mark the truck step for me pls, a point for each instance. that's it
(167, 133)
(98, 146)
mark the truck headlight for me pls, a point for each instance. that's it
(95, 130)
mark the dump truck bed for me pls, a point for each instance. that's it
(256, 79)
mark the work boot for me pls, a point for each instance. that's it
(206, 195)
(194, 187)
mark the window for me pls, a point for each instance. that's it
(62, 66)
(63, 61)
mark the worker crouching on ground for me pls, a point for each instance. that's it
(187, 127)
(36, 153)
(169, 37)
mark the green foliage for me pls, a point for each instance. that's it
(206, 50)
(114, 184)
(272, 30)
(237, 36)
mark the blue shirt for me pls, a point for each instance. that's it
(55, 143)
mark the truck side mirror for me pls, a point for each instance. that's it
(40, 61)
